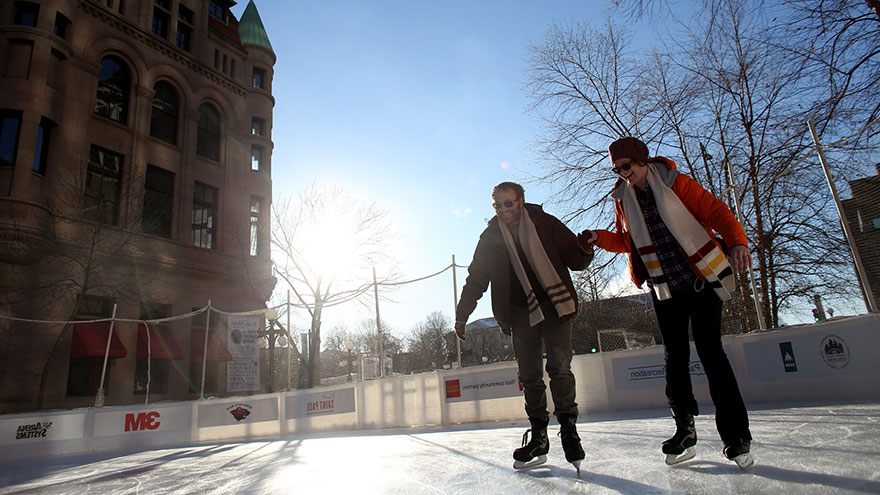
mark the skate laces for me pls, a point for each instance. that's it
(525, 439)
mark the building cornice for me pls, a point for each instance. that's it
(134, 32)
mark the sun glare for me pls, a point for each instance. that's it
(328, 245)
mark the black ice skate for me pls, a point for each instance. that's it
(681, 447)
(533, 452)
(738, 452)
(571, 442)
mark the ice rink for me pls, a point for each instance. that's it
(827, 449)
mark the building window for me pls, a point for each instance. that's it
(204, 215)
(17, 58)
(41, 152)
(163, 119)
(61, 25)
(208, 137)
(158, 202)
(259, 76)
(161, 19)
(258, 126)
(216, 58)
(56, 70)
(257, 158)
(26, 13)
(185, 15)
(255, 227)
(232, 67)
(101, 198)
(10, 125)
(184, 35)
(218, 11)
(224, 63)
(114, 82)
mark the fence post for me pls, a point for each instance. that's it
(205, 350)
(454, 308)
(99, 395)
(739, 216)
(379, 327)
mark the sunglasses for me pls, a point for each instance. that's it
(624, 167)
(506, 203)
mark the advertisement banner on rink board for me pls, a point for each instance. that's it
(491, 384)
(51, 428)
(814, 353)
(649, 370)
(240, 412)
(320, 404)
(142, 420)
(243, 372)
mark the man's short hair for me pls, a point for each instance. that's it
(512, 186)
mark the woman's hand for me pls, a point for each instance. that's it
(740, 258)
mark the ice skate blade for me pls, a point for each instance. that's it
(688, 454)
(744, 461)
(537, 461)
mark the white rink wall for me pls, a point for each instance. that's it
(830, 361)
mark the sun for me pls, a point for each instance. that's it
(327, 244)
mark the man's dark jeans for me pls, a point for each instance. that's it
(556, 337)
(703, 310)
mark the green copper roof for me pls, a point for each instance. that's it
(251, 30)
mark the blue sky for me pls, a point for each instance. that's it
(417, 106)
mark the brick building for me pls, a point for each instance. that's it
(863, 215)
(135, 173)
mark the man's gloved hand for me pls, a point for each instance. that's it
(586, 239)
(459, 330)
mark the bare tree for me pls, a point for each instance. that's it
(728, 89)
(428, 344)
(89, 245)
(329, 242)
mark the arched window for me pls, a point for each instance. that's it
(208, 138)
(114, 82)
(163, 120)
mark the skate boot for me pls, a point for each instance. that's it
(681, 447)
(533, 452)
(738, 452)
(571, 442)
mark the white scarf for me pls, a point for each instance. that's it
(690, 235)
(555, 288)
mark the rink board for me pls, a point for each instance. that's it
(829, 361)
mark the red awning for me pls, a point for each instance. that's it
(217, 350)
(162, 344)
(90, 339)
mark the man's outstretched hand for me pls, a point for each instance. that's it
(459, 330)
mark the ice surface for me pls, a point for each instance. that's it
(827, 449)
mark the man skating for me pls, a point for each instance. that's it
(526, 255)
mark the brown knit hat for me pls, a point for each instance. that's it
(628, 147)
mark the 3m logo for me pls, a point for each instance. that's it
(143, 421)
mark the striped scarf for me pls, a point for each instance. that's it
(700, 250)
(555, 288)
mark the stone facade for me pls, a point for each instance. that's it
(135, 171)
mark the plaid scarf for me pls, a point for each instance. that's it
(537, 258)
(700, 250)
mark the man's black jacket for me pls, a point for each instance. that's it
(491, 264)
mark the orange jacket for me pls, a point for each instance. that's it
(708, 210)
